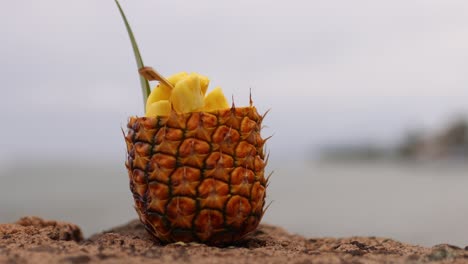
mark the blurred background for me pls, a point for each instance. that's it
(368, 100)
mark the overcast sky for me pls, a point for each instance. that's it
(331, 71)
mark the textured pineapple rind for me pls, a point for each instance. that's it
(198, 176)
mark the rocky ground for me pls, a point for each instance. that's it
(34, 240)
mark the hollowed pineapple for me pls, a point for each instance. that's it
(197, 175)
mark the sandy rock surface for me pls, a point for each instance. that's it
(34, 240)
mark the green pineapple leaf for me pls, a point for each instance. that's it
(145, 87)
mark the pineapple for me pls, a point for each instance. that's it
(195, 165)
(197, 175)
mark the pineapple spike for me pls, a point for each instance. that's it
(227, 137)
(266, 113)
(267, 182)
(268, 138)
(265, 149)
(233, 107)
(123, 133)
(266, 208)
(250, 97)
(268, 178)
(165, 132)
(267, 159)
(200, 121)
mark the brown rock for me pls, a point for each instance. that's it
(33, 240)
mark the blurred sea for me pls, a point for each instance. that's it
(422, 203)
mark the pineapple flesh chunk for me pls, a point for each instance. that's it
(204, 82)
(174, 79)
(159, 108)
(187, 95)
(162, 92)
(215, 100)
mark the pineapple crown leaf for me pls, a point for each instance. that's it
(145, 87)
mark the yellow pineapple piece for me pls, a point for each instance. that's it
(187, 95)
(174, 79)
(204, 82)
(162, 92)
(215, 100)
(159, 108)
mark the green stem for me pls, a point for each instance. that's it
(145, 87)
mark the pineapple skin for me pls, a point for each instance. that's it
(198, 176)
